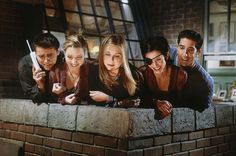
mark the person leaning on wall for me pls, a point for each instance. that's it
(35, 82)
(163, 82)
(198, 91)
(69, 80)
(114, 82)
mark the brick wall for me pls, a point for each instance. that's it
(54, 142)
(11, 47)
(169, 17)
(96, 130)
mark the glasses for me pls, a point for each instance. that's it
(149, 61)
(189, 50)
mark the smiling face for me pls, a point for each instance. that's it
(112, 58)
(47, 57)
(186, 52)
(158, 61)
(74, 57)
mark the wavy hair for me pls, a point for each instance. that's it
(127, 79)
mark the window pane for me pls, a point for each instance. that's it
(232, 46)
(135, 48)
(54, 20)
(126, 12)
(51, 3)
(85, 6)
(100, 8)
(119, 26)
(70, 5)
(132, 31)
(89, 24)
(50, 12)
(218, 33)
(93, 45)
(73, 22)
(115, 10)
(103, 25)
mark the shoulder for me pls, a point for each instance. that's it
(25, 65)
(204, 74)
(181, 75)
(25, 61)
(57, 67)
(181, 72)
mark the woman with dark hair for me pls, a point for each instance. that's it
(163, 82)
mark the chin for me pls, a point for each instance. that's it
(47, 68)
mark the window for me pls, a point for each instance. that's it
(220, 43)
(96, 18)
(221, 26)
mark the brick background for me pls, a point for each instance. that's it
(169, 17)
(220, 141)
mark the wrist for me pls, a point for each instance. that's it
(41, 88)
(111, 99)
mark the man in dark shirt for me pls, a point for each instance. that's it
(198, 90)
(34, 82)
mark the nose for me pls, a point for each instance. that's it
(46, 60)
(185, 52)
(111, 60)
(74, 61)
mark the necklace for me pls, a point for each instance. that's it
(74, 79)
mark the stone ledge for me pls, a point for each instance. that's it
(114, 122)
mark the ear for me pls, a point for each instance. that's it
(199, 51)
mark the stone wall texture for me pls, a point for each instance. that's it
(54, 129)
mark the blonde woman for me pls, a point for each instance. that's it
(69, 81)
(115, 82)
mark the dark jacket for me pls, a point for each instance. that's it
(151, 91)
(58, 75)
(28, 84)
(198, 91)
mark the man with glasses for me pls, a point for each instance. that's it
(34, 81)
(198, 91)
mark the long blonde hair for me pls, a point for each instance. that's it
(127, 79)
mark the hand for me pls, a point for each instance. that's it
(98, 96)
(70, 99)
(39, 77)
(162, 109)
(128, 103)
(58, 88)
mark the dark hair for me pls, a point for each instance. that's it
(192, 35)
(159, 43)
(46, 40)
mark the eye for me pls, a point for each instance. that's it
(117, 56)
(69, 57)
(79, 57)
(41, 56)
(107, 54)
(181, 47)
(49, 55)
(148, 61)
(191, 49)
